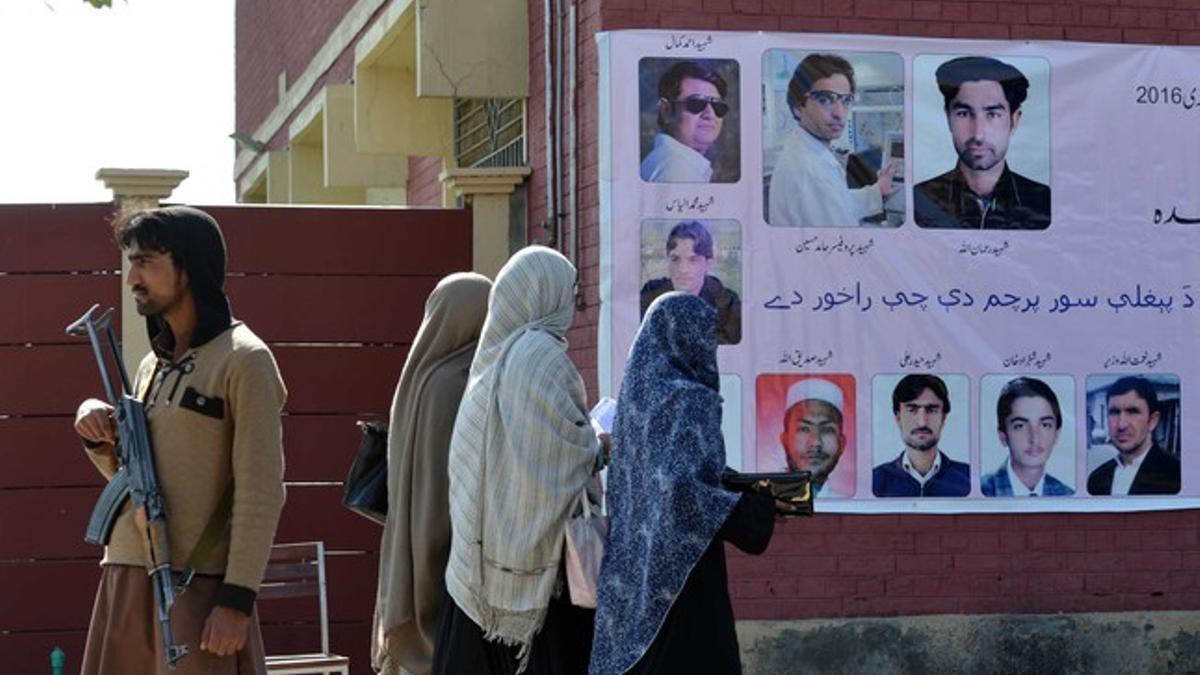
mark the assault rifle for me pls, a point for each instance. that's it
(135, 479)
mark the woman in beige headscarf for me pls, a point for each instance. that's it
(521, 453)
(416, 537)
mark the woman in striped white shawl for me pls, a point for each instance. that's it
(520, 455)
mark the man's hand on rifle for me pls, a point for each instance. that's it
(94, 422)
(224, 631)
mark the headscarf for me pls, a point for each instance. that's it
(521, 453)
(416, 535)
(665, 497)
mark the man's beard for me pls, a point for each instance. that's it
(820, 465)
(982, 164)
(922, 446)
(1130, 448)
(152, 307)
(147, 307)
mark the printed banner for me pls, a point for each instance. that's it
(950, 275)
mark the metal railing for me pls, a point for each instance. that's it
(489, 132)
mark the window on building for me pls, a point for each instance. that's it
(489, 132)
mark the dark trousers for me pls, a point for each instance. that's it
(562, 647)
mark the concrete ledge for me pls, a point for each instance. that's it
(155, 184)
(499, 180)
(1144, 643)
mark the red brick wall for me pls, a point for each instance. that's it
(885, 565)
(1166, 22)
(424, 188)
(274, 35)
(271, 36)
(881, 565)
(582, 336)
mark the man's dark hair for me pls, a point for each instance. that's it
(149, 232)
(702, 242)
(671, 82)
(952, 74)
(1025, 387)
(1140, 386)
(816, 67)
(911, 386)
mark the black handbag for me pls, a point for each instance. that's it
(794, 487)
(366, 486)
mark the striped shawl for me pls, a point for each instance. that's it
(521, 452)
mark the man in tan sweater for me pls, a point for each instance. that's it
(213, 397)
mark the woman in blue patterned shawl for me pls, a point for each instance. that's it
(663, 603)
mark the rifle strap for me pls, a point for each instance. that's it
(213, 533)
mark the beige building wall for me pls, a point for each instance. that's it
(349, 142)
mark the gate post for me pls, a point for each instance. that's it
(487, 190)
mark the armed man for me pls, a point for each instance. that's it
(212, 396)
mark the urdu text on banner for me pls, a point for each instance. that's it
(951, 275)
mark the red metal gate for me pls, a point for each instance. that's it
(338, 293)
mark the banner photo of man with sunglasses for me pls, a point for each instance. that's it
(689, 121)
(817, 139)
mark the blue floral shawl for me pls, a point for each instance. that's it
(665, 496)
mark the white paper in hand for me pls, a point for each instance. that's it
(602, 415)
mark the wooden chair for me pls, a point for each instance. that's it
(298, 571)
